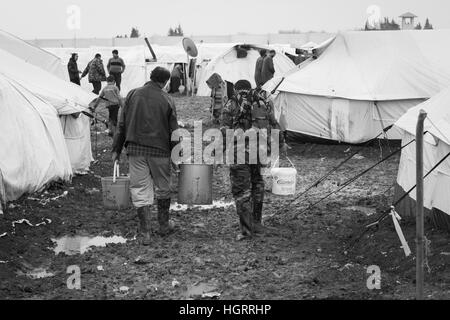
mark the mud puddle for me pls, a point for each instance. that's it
(80, 244)
(216, 205)
(366, 210)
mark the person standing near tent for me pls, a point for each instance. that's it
(96, 72)
(218, 95)
(72, 67)
(268, 69)
(248, 110)
(116, 66)
(146, 124)
(110, 95)
(175, 78)
(258, 68)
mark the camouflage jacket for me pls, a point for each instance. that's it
(250, 112)
(96, 71)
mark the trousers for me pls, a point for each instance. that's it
(247, 187)
(149, 177)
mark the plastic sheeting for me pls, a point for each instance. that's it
(337, 119)
(31, 54)
(34, 156)
(378, 66)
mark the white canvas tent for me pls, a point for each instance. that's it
(42, 138)
(31, 54)
(232, 69)
(363, 82)
(134, 76)
(436, 147)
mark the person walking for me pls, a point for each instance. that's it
(72, 68)
(258, 68)
(249, 110)
(146, 124)
(116, 66)
(268, 69)
(96, 72)
(175, 78)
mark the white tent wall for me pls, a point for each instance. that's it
(339, 119)
(134, 57)
(32, 54)
(37, 155)
(436, 147)
(437, 184)
(396, 69)
(65, 97)
(232, 69)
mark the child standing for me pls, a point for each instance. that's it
(110, 95)
(218, 95)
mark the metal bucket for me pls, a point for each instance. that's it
(195, 184)
(116, 191)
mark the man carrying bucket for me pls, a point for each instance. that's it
(145, 128)
(248, 110)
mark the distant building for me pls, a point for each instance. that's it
(408, 21)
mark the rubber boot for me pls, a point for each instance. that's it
(144, 231)
(257, 218)
(163, 217)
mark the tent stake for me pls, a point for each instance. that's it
(419, 201)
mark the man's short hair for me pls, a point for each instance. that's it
(263, 52)
(160, 75)
(243, 85)
(111, 79)
(98, 55)
(272, 51)
(115, 51)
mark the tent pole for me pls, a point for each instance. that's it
(419, 200)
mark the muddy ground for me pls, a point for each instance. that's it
(310, 256)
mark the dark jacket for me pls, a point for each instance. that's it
(268, 70)
(72, 67)
(96, 70)
(148, 118)
(258, 71)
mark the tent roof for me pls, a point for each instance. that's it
(438, 117)
(408, 15)
(378, 65)
(32, 54)
(66, 97)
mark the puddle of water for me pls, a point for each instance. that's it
(215, 205)
(199, 290)
(38, 273)
(81, 244)
(366, 210)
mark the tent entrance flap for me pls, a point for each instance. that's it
(339, 124)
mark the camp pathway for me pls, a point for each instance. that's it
(304, 258)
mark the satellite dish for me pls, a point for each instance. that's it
(190, 47)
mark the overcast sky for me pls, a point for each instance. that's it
(101, 18)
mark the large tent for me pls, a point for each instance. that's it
(436, 147)
(31, 54)
(364, 82)
(233, 68)
(43, 138)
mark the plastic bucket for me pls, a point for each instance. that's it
(284, 180)
(116, 190)
(195, 184)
